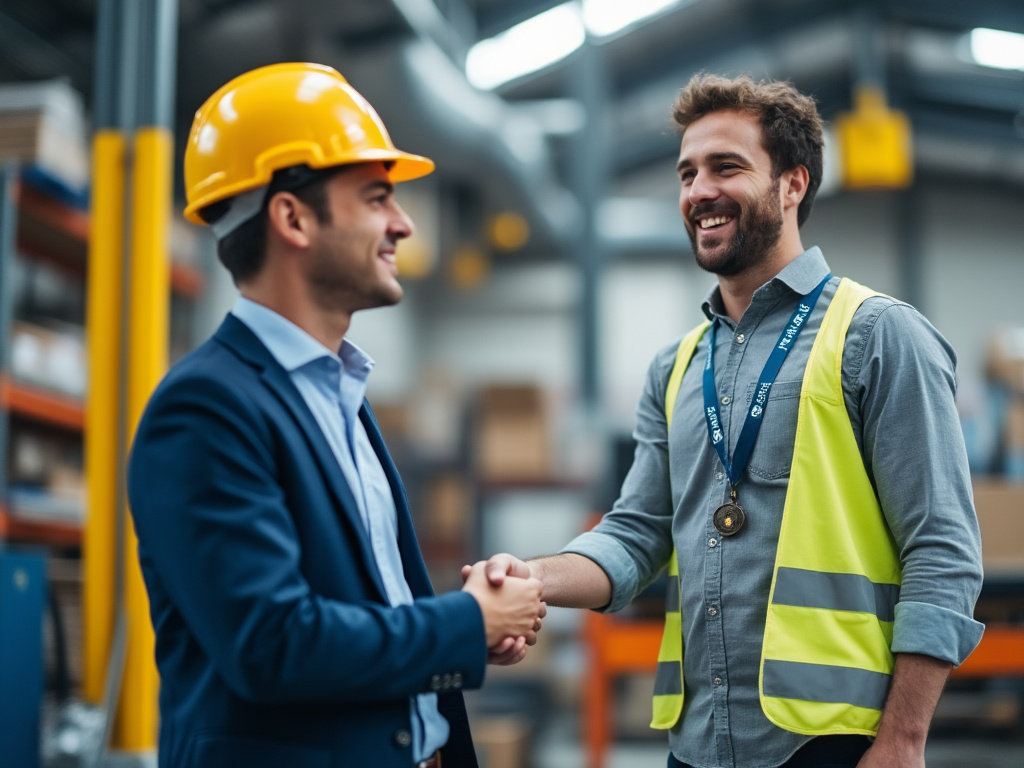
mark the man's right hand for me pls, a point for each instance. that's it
(500, 566)
(511, 608)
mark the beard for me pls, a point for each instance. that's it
(758, 231)
(341, 279)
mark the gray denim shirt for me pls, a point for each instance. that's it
(899, 383)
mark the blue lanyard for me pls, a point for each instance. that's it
(759, 401)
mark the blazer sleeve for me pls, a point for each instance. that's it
(220, 548)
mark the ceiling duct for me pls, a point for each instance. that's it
(430, 108)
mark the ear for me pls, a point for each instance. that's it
(290, 220)
(793, 186)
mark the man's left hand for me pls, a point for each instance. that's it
(884, 755)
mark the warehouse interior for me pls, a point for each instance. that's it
(549, 265)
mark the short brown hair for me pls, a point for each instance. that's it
(243, 251)
(790, 123)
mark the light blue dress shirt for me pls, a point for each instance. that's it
(333, 386)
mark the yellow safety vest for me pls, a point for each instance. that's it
(826, 662)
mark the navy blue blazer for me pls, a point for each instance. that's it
(274, 640)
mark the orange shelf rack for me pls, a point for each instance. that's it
(48, 407)
(59, 233)
(29, 531)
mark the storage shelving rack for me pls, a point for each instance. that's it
(38, 225)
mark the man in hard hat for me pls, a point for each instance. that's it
(295, 623)
(799, 469)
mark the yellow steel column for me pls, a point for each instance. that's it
(149, 291)
(102, 419)
(128, 298)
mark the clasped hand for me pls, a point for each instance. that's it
(510, 599)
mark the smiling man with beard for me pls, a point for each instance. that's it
(805, 481)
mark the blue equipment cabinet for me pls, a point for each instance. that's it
(22, 675)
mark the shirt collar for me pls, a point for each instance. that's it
(799, 276)
(291, 346)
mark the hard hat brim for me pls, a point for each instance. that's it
(405, 167)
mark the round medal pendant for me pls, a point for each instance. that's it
(729, 518)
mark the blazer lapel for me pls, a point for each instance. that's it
(234, 334)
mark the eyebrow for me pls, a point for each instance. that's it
(714, 157)
(379, 184)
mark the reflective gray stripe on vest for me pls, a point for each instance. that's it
(672, 595)
(820, 682)
(668, 681)
(835, 591)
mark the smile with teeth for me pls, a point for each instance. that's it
(714, 221)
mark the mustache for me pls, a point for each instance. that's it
(713, 209)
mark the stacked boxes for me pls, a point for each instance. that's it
(1000, 507)
(1006, 371)
(502, 742)
(53, 358)
(513, 440)
(43, 124)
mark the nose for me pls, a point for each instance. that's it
(701, 189)
(400, 225)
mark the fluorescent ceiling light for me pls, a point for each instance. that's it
(996, 48)
(606, 17)
(527, 47)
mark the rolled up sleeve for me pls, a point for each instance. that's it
(901, 388)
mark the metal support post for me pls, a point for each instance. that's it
(589, 153)
(148, 287)
(128, 305)
(8, 225)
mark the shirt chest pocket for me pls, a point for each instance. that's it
(773, 448)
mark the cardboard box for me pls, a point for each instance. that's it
(1013, 440)
(1000, 507)
(1013, 422)
(513, 441)
(448, 509)
(54, 358)
(502, 742)
(1005, 364)
(43, 123)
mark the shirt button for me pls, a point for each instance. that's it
(402, 738)
(740, 338)
(719, 476)
(712, 542)
(726, 400)
(718, 681)
(712, 611)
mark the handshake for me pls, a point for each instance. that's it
(510, 598)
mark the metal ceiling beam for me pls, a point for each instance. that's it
(495, 17)
(25, 49)
(957, 15)
(424, 18)
(973, 92)
(712, 35)
(968, 126)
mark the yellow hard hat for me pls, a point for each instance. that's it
(280, 116)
